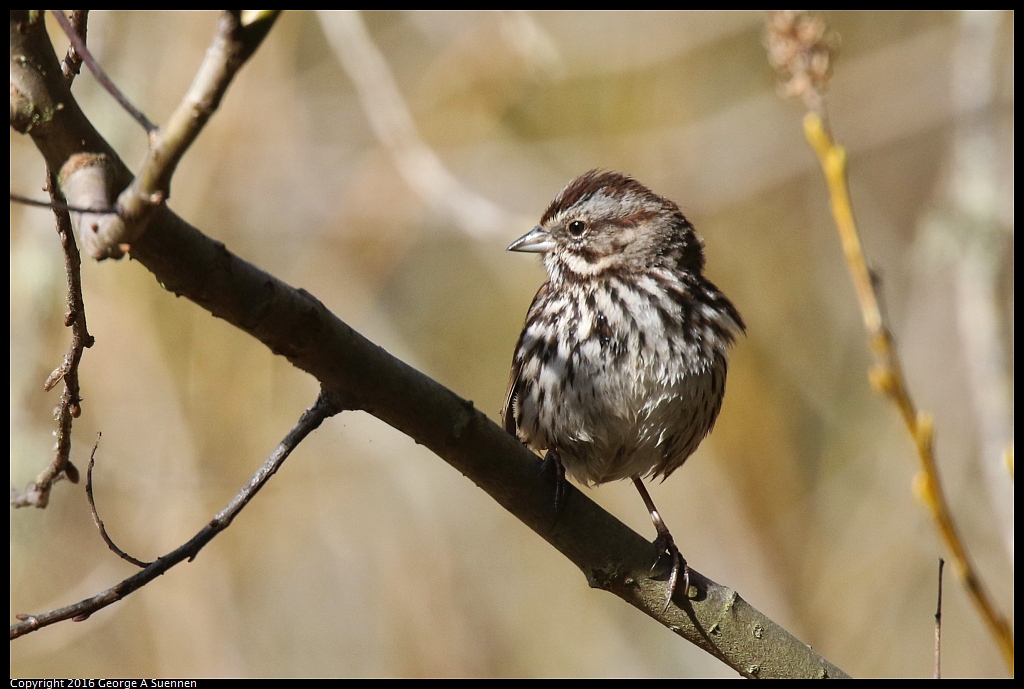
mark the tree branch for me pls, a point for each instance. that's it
(71, 65)
(800, 47)
(37, 493)
(114, 548)
(296, 325)
(237, 37)
(327, 405)
(78, 53)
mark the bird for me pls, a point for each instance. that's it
(620, 369)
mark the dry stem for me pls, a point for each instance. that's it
(887, 378)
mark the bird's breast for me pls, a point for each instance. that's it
(617, 383)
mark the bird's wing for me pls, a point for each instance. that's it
(508, 412)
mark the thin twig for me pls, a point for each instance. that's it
(238, 36)
(788, 34)
(72, 63)
(294, 324)
(887, 378)
(96, 514)
(59, 205)
(37, 494)
(78, 43)
(938, 624)
(233, 44)
(326, 406)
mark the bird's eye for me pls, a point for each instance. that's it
(577, 228)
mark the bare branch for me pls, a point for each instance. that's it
(59, 205)
(96, 514)
(296, 325)
(37, 494)
(235, 41)
(801, 32)
(82, 52)
(233, 44)
(72, 63)
(327, 405)
(938, 624)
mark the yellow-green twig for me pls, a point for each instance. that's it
(887, 378)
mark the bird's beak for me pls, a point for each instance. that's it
(536, 241)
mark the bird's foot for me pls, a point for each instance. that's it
(666, 545)
(553, 462)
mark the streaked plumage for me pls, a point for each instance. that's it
(620, 369)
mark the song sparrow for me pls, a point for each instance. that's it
(620, 369)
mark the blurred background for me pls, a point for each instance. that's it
(383, 162)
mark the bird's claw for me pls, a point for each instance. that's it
(665, 545)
